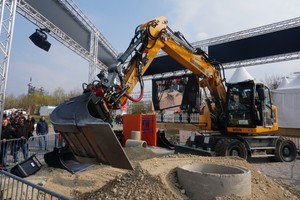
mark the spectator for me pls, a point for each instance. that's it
(23, 134)
(42, 131)
(15, 121)
(30, 124)
(7, 132)
(22, 116)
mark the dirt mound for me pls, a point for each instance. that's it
(138, 184)
(153, 177)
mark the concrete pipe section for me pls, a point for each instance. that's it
(207, 181)
(135, 143)
(136, 135)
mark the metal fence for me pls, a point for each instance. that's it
(18, 150)
(178, 118)
(15, 188)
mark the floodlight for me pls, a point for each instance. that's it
(39, 38)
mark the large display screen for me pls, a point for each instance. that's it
(180, 92)
(269, 44)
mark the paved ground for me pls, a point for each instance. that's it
(287, 173)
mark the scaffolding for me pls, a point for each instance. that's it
(7, 20)
(9, 8)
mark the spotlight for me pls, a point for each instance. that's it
(39, 38)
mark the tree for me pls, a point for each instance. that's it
(74, 93)
(59, 95)
(272, 81)
(10, 102)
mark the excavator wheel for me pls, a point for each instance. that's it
(230, 147)
(286, 151)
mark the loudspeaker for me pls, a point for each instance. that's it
(26, 167)
(39, 38)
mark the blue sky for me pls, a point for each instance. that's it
(117, 20)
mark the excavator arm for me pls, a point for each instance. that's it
(85, 121)
(155, 35)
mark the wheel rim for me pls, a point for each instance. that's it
(231, 147)
(286, 151)
(235, 152)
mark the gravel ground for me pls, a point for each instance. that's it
(154, 177)
(287, 174)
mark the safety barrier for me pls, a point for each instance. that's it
(14, 187)
(17, 150)
(178, 118)
(36, 145)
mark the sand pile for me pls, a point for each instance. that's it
(153, 177)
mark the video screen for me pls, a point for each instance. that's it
(180, 92)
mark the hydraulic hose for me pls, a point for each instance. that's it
(138, 99)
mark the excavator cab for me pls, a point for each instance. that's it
(249, 108)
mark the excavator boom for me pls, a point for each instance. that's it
(85, 121)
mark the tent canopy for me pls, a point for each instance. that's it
(287, 100)
(284, 82)
(240, 75)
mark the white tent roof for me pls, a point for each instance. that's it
(287, 101)
(284, 82)
(293, 86)
(240, 75)
(295, 83)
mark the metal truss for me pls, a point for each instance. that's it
(291, 23)
(78, 14)
(7, 20)
(95, 38)
(94, 51)
(168, 74)
(263, 60)
(35, 17)
(287, 24)
(9, 8)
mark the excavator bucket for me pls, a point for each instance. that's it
(82, 123)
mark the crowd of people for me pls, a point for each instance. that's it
(17, 129)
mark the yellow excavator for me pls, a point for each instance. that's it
(239, 119)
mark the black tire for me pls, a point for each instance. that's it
(286, 151)
(230, 147)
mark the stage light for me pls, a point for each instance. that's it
(39, 38)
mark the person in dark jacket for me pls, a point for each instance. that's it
(42, 131)
(7, 133)
(22, 133)
(30, 122)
